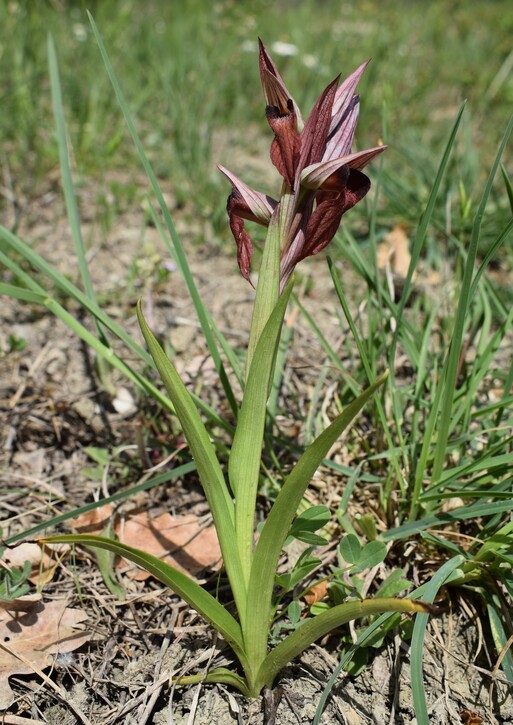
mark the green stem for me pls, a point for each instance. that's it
(268, 286)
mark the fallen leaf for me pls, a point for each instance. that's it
(34, 638)
(94, 521)
(469, 717)
(394, 252)
(178, 540)
(20, 604)
(316, 593)
(43, 563)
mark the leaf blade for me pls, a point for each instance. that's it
(203, 452)
(191, 592)
(278, 522)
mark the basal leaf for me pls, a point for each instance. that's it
(180, 583)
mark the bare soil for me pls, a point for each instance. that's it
(53, 405)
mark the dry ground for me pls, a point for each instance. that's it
(52, 406)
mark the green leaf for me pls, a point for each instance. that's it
(304, 565)
(105, 560)
(451, 366)
(371, 555)
(308, 537)
(62, 283)
(316, 627)
(473, 511)
(221, 675)
(98, 455)
(417, 644)
(500, 635)
(394, 584)
(209, 469)
(277, 525)
(313, 519)
(245, 457)
(319, 608)
(178, 250)
(67, 179)
(268, 285)
(180, 583)
(42, 298)
(350, 548)
(294, 612)
(125, 494)
(308, 522)
(507, 184)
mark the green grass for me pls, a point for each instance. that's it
(442, 430)
(186, 68)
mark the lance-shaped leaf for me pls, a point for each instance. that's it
(316, 627)
(209, 470)
(246, 452)
(190, 591)
(268, 286)
(220, 675)
(277, 525)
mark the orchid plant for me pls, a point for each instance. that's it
(321, 180)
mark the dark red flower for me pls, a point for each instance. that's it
(322, 179)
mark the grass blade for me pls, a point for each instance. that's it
(417, 643)
(461, 314)
(67, 179)
(178, 249)
(203, 452)
(91, 340)
(315, 627)
(118, 496)
(423, 225)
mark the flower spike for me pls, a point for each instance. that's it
(322, 177)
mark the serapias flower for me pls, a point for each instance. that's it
(322, 179)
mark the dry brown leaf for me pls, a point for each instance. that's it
(394, 252)
(469, 717)
(177, 540)
(42, 565)
(94, 521)
(316, 593)
(33, 639)
(20, 604)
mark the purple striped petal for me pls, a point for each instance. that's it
(316, 176)
(259, 206)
